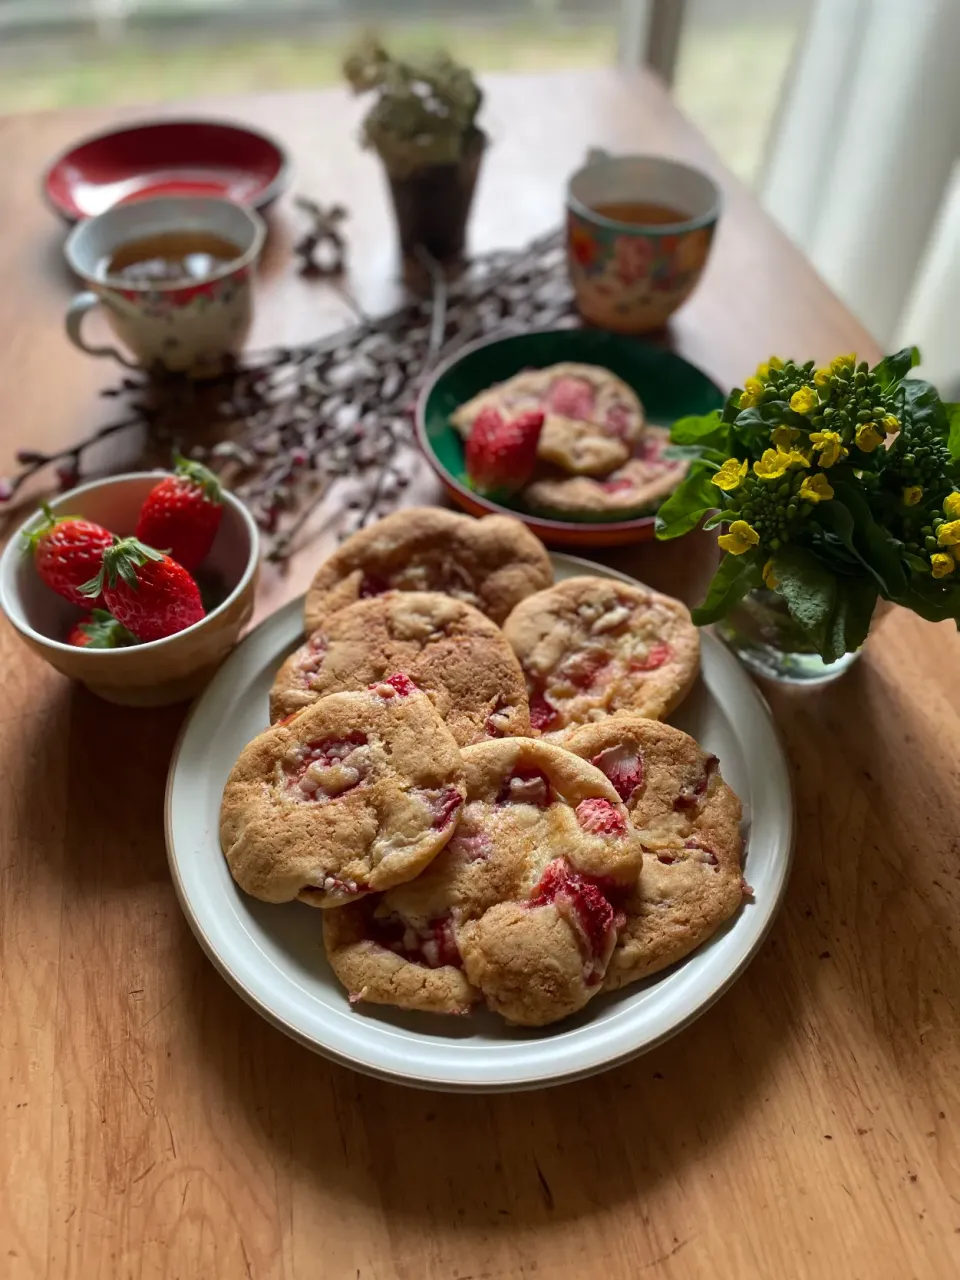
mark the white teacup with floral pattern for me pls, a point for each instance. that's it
(183, 326)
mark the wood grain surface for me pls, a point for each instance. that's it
(154, 1126)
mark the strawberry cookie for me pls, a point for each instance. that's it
(357, 793)
(689, 822)
(448, 648)
(592, 418)
(590, 646)
(490, 563)
(639, 485)
(520, 907)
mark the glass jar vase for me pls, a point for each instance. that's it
(765, 638)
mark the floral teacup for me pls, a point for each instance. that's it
(186, 325)
(639, 230)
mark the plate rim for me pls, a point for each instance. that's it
(548, 524)
(438, 1083)
(270, 192)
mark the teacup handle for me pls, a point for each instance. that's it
(80, 304)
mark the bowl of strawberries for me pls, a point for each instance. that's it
(138, 585)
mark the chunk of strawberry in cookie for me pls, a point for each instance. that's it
(444, 805)
(543, 715)
(397, 685)
(655, 657)
(526, 786)
(623, 765)
(600, 818)
(691, 793)
(572, 398)
(586, 908)
(311, 660)
(432, 945)
(617, 419)
(584, 668)
(371, 584)
(620, 485)
(699, 852)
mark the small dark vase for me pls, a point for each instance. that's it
(432, 205)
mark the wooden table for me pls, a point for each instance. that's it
(153, 1125)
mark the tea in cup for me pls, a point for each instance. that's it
(639, 229)
(173, 275)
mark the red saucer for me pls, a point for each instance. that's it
(168, 158)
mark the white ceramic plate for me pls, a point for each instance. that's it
(273, 955)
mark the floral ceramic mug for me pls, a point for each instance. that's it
(639, 230)
(188, 323)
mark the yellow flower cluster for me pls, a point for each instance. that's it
(944, 561)
(730, 475)
(740, 538)
(751, 394)
(816, 488)
(804, 401)
(829, 446)
(868, 437)
(776, 462)
(822, 376)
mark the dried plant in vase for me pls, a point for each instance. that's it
(835, 489)
(423, 127)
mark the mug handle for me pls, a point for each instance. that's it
(80, 304)
(596, 154)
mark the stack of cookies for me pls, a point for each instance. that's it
(467, 770)
(597, 458)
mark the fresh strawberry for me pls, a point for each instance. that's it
(501, 453)
(148, 592)
(67, 553)
(98, 630)
(182, 513)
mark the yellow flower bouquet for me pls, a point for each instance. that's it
(833, 487)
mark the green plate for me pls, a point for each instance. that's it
(669, 387)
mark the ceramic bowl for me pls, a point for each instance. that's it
(146, 675)
(669, 387)
(632, 276)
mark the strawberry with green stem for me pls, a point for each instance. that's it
(98, 630)
(67, 552)
(182, 513)
(148, 592)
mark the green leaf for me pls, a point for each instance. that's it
(856, 601)
(707, 432)
(810, 591)
(734, 578)
(935, 601)
(893, 369)
(691, 451)
(772, 414)
(875, 547)
(688, 504)
(721, 517)
(833, 610)
(923, 406)
(953, 431)
(103, 631)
